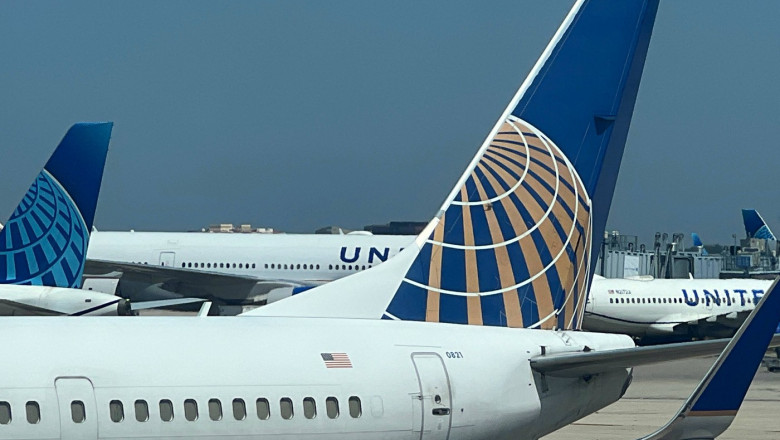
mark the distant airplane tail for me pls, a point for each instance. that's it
(45, 240)
(511, 245)
(755, 226)
(697, 242)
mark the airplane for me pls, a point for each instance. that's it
(232, 270)
(326, 374)
(755, 226)
(43, 245)
(671, 310)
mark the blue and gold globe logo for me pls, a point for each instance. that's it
(512, 248)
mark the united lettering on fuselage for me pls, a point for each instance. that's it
(375, 255)
(713, 297)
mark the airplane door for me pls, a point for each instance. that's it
(78, 413)
(434, 397)
(167, 259)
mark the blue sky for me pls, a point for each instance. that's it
(300, 114)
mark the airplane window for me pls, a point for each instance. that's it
(215, 409)
(141, 410)
(263, 409)
(355, 410)
(33, 412)
(201, 265)
(241, 266)
(350, 267)
(363, 267)
(272, 267)
(610, 300)
(191, 410)
(77, 411)
(318, 267)
(116, 410)
(285, 266)
(292, 266)
(239, 409)
(208, 265)
(298, 266)
(221, 265)
(5, 413)
(332, 407)
(330, 267)
(286, 408)
(183, 264)
(309, 408)
(166, 410)
(708, 301)
(253, 265)
(234, 265)
(343, 267)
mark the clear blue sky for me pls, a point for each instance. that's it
(300, 114)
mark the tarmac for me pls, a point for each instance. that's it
(657, 393)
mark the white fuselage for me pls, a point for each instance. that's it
(87, 379)
(667, 307)
(305, 258)
(42, 300)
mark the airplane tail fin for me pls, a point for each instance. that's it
(45, 240)
(714, 403)
(755, 226)
(511, 245)
(697, 242)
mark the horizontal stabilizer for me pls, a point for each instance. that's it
(593, 362)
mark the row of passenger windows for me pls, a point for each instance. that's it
(219, 265)
(191, 411)
(666, 301)
(278, 266)
(32, 411)
(292, 266)
(239, 410)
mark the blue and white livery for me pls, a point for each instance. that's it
(755, 226)
(44, 243)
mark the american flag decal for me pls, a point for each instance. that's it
(336, 360)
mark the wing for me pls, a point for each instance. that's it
(724, 324)
(141, 282)
(14, 308)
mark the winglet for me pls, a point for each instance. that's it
(45, 240)
(711, 408)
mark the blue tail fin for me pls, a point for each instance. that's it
(511, 245)
(755, 226)
(697, 242)
(45, 240)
